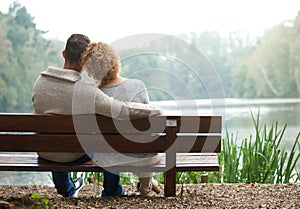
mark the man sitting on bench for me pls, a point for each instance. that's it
(62, 91)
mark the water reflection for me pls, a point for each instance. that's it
(25, 178)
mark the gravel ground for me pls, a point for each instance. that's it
(189, 196)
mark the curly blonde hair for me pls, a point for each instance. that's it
(101, 62)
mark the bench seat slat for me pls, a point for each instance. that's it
(195, 162)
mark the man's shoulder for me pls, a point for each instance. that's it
(64, 74)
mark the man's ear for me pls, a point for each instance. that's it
(64, 53)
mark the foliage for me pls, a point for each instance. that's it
(262, 160)
(268, 66)
(272, 68)
(44, 200)
(24, 54)
(247, 68)
(164, 66)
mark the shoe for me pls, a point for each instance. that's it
(79, 183)
(144, 186)
(153, 185)
(123, 193)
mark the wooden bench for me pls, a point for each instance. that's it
(189, 143)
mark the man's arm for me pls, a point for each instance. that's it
(108, 106)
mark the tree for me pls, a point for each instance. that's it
(273, 64)
(24, 54)
(295, 49)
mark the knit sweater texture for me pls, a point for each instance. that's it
(132, 90)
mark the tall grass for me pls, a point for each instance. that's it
(263, 159)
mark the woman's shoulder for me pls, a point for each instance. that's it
(134, 81)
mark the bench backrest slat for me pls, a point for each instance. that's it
(200, 124)
(92, 143)
(71, 124)
(86, 143)
(64, 123)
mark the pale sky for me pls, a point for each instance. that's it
(112, 20)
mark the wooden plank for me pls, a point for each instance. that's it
(35, 122)
(198, 124)
(202, 143)
(48, 123)
(195, 162)
(89, 168)
(130, 143)
(181, 158)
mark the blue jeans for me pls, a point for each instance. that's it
(65, 186)
(111, 185)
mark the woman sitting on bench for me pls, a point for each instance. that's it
(102, 63)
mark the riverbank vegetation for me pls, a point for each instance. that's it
(261, 158)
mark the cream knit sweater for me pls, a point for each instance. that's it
(62, 91)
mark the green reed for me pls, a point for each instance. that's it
(262, 159)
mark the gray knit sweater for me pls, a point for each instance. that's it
(62, 91)
(133, 90)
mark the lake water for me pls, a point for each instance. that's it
(236, 113)
(237, 120)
